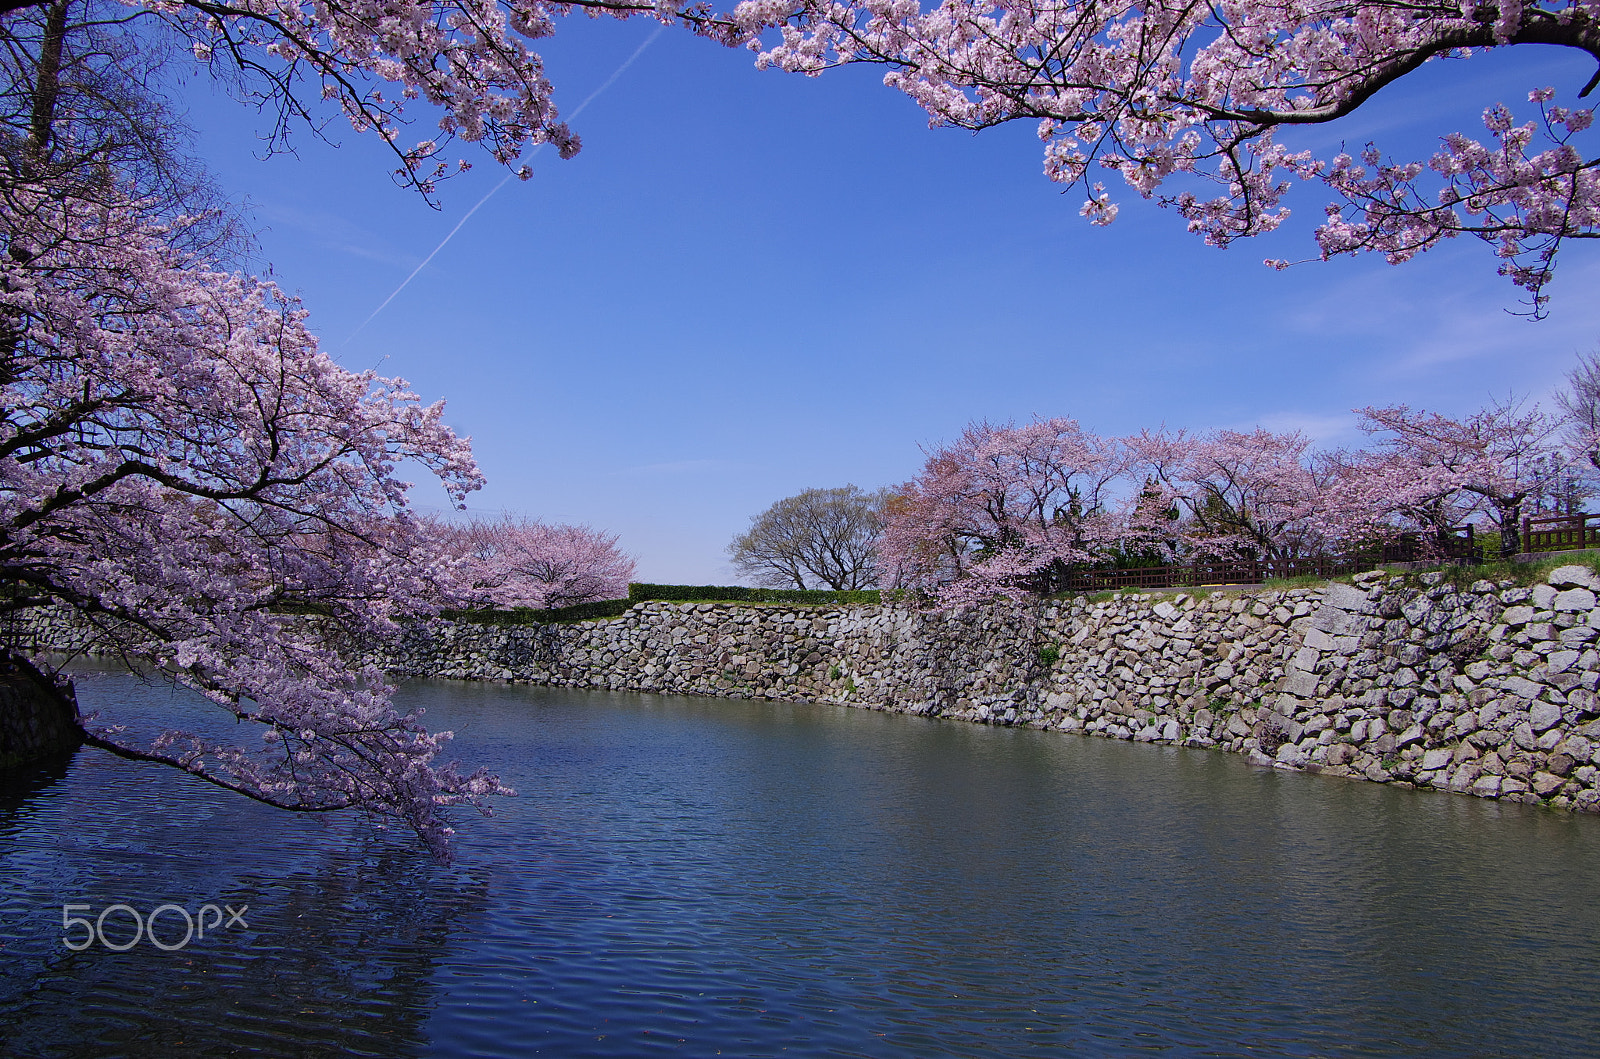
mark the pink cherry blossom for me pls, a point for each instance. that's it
(181, 465)
(1433, 471)
(1255, 495)
(515, 561)
(1197, 95)
(1005, 510)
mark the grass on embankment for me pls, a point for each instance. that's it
(1522, 574)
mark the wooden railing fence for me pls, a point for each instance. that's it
(1459, 544)
(1560, 533)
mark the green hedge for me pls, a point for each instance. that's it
(605, 608)
(638, 593)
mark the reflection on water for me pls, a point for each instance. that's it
(333, 948)
(701, 876)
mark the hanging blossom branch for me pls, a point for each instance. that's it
(181, 464)
(1527, 204)
(468, 60)
(1156, 92)
(1173, 88)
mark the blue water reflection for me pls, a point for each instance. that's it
(713, 877)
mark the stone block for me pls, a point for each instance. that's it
(1522, 687)
(1291, 756)
(1435, 759)
(1288, 726)
(1298, 683)
(1338, 622)
(1574, 577)
(1542, 715)
(1580, 747)
(1573, 599)
(1344, 597)
(1319, 640)
(1545, 784)
(1515, 616)
(1560, 661)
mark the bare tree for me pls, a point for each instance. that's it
(85, 112)
(817, 537)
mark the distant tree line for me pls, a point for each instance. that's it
(1009, 509)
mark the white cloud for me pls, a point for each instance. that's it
(1325, 429)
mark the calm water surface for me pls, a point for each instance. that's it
(713, 877)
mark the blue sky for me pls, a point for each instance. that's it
(749, 283)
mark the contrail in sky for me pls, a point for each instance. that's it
(504, 180)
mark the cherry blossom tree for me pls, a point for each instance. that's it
(182, 466)
(1005, 510)
(85, 111)
(1253, 495)
(1379, 495)
(1199, 95)
(1502, 458)
(516, 561)
(1581, 403)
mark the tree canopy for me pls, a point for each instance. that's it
(1188, 103)
(183, 467)
(1017, 510)
(821, 536)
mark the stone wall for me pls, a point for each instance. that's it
(38, 719)
(1488, 690)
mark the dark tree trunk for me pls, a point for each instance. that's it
(1510, 528)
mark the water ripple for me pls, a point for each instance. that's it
(701, 877)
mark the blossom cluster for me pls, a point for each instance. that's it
(1015, 510)
(181, 463)
(516, 561)
(1202, 93)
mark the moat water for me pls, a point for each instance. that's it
(707, 877)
